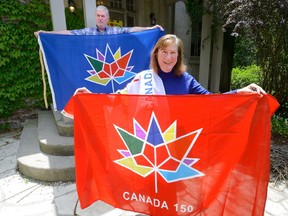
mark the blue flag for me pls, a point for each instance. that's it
(101, 63)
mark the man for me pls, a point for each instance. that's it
(102, 18)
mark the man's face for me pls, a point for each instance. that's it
(102, 19)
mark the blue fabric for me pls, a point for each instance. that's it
(92, 61)
(184, 84)
(95, 31)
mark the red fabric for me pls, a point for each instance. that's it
(227, 137)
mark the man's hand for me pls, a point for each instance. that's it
(37, 33)
(157, 26)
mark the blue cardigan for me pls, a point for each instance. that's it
(184, 84)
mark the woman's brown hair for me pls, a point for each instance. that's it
(161, 44)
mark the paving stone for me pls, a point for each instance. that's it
(274, 195)
(275, 208)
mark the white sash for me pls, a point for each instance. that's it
(146, 83)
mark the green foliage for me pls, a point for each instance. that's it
(264, 24)
(195, 9)
(280, 126)
(271, 40)
(21, 84)
(245, 76)
(252, 74)
(244, 52)
(20, 73)
(74, 20)
(4, 127)
(283, 110)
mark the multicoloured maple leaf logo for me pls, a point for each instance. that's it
(156, 152)
(110, 67)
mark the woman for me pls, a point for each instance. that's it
(168, 75)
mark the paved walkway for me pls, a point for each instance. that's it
(26, 197)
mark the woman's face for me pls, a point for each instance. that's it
(167, 57)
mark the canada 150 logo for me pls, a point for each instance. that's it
(158, 152)
(110, 67)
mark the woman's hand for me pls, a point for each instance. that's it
(252, 88)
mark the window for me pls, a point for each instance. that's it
(130, 21)
(130, 5)
(123, 11)
(116, 4)
(196, 39)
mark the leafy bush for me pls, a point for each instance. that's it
(280, 126)
(245, 52)
(251, 74)
(245, 76)
(282, 111)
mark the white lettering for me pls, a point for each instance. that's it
(148, 91)
(148, 83)
(145, 199)
(134, 197)
(164, 205)
(149, 200)
(156, 202)
(126, 195)
(141, 198)
(147, 75)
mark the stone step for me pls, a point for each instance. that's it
(33, 163)
(50, 141)
(65, 125)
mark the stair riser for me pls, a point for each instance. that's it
(47, 174)
(34, 163)
(49, 139)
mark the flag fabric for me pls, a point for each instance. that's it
(174, 155)
(100, 63)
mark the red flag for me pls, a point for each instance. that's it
(174, 155)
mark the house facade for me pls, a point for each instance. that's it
(202, 57)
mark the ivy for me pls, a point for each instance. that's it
(21, 83)
(195, 9)
(20, 71)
